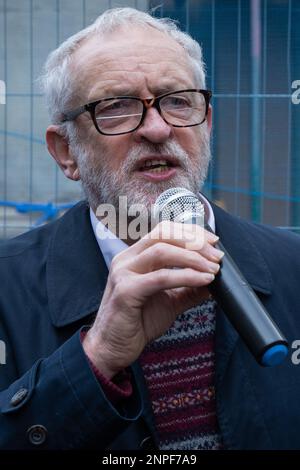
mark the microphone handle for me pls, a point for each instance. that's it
(246, 313)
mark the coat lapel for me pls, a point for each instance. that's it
(236, 403)
(240, 245)
(76, 270)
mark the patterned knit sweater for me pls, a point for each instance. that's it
(179, 372)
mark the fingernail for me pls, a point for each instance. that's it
(215, 237)
(214, 268)
(218, 255)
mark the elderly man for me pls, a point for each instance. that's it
(108, 346)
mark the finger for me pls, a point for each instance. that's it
(183, 235)
(164, 255)
(150, 283)
(211, 253)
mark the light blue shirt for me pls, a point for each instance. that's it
(111, 245)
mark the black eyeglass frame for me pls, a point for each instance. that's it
(147, 103)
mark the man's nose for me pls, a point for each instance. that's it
(154, 128)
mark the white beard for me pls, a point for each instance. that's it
(102, 185)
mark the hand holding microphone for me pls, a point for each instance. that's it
(230, 288)
(144, 294)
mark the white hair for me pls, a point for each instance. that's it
(56, 80)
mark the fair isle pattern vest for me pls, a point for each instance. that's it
(179, 371)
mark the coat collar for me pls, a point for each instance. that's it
(77, 273)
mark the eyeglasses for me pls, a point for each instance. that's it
(123, 114)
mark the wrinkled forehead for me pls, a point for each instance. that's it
(130, 58)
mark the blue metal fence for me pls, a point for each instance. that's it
(251, 49)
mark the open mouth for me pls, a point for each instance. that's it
(157, 166)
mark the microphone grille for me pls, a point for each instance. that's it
(179, 205)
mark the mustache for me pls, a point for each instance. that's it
(141, 150)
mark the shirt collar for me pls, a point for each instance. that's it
(110, 245)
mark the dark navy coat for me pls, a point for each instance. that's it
(52, 280)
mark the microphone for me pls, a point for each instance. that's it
(230, 289)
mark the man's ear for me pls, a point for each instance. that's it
(59, 148)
